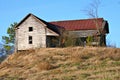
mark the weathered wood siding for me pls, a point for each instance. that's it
(83, 33)
(99, 40)
(38, 34)
(51, 33)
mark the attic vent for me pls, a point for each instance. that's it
(30, 29)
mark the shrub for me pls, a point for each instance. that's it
(89, 40)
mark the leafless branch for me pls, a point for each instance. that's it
(92, 10)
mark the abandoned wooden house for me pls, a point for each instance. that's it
(33, 32)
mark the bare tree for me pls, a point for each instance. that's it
(92, 12)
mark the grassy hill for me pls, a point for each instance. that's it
(73, 63)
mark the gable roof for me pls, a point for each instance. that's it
(24, 19)
(48, 25)
(72, 25)
(85, 24)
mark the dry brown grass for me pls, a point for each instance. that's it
(113, 54)
(98, 53)
(81, 55)
(72, 63)
(44, 66)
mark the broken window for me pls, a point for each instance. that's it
(30, 39)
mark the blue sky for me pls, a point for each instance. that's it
(53, 10)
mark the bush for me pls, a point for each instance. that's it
(89, 40)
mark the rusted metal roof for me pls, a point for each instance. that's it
(85, 24)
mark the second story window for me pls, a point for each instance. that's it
(30, 39)
(30, 29)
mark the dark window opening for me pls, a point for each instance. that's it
(30, 29)
(30, 39)
(52, 41)
(81, 41)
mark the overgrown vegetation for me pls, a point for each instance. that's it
(72, 63)
(89, 40)
(69, 39)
